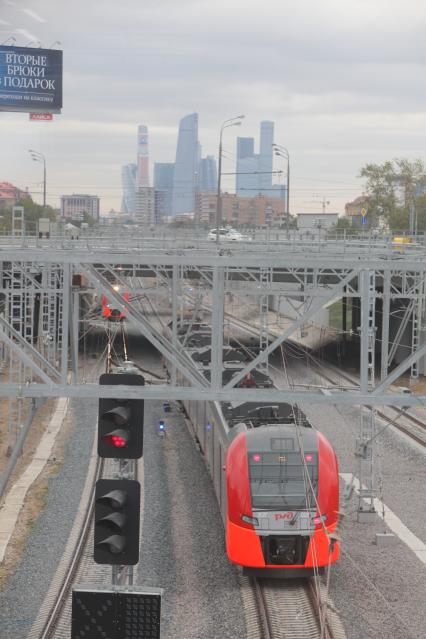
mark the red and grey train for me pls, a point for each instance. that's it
(283, 495)
(109, 310)
(276, 480)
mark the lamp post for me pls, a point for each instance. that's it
(282, 152)
(231, 122)
(39, 157)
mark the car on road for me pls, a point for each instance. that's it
(228, 235)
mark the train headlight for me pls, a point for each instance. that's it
(250, 520)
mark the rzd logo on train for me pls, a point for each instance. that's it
(285, 516)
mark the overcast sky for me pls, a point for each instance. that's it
(343, 80)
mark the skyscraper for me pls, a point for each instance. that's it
(186, 166)
(128, 181)
(247, 160)
(143, 157)
(265, 157)
(163, 184)
(207, 174)
(254, 170)
(163, 175)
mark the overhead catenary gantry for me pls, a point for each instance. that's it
(43, 278)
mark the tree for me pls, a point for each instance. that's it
(342, 223)
(380, 188)
(392, 187)
(32, 213)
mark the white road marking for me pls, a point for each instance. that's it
(393, 522)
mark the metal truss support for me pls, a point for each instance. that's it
(397, 372)
(20, 308)
(416, 330)
(265, 281)
(180, 358)
(26, 352)
(37, 341)
(240, 395)
(175, 301)
(74, 333)
(365, 443)
(333, 291)
(408, 311)
(385, 324)
(64, 320)
(218, 301)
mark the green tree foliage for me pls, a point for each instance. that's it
(342, 223)
(392, 187)
(32, 213)
(86, 219)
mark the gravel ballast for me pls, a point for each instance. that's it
(24, 591)
(379, 591)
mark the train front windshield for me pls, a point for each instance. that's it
(283, 481)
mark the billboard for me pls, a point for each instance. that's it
(30, 80)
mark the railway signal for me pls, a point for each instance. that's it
(117, 613)
(120, 422)
(116, 530)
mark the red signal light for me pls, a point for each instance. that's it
(117, 438)
(309, 457)
(256, 458)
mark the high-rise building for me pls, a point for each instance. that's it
(163, 185)
(265, 157)
(254, 170)
(247, 161)
(76, 205)
(207, 174)
(128, 181)
(186, 166)
(145, 205)
(163, 175)
(161, 206)
(142, 178)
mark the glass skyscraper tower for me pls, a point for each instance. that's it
(254, 170)
(186, 166)
(207, 174)
(128, 181)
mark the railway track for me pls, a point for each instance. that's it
(412, 426)
(294, 609)
(77, 565)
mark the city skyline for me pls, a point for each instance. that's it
(171, 196)
(335, 104)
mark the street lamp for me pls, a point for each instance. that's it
(282, 152)
(231, 122)
(39, 157)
